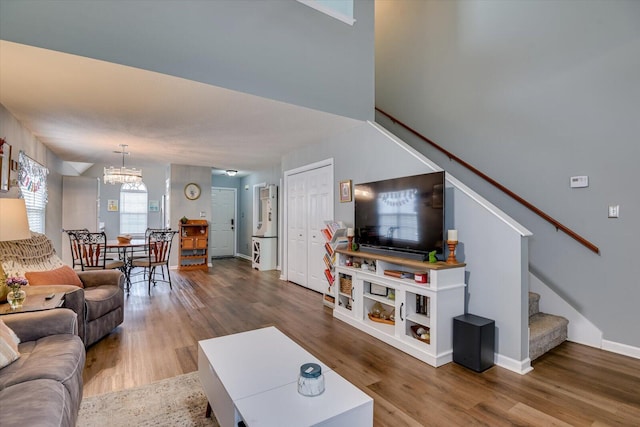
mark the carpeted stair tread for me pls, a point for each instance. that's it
(534, 303)
(546, 331)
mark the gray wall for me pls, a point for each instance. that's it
(245, 205)
(279, 49)
(180, 206)
(21, 138)
(153, 177)
(532, 93)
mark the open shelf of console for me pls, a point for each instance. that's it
(408, 307)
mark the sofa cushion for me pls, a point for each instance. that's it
(100, 300)
(54, 406)
(8, 345)
(59, 276)
(55, 357)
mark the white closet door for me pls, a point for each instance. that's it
(320, 209)
(297, 229)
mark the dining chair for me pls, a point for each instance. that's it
(145, 252)
(73, 235)
(93, 252)
(158, 253)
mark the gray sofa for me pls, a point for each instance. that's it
(44, 386)
(99, 305)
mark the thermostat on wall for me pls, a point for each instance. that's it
(579, 181)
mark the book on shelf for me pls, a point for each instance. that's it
(333, 226)
(328, 248)
(423, 305)
(329, 276)
(327, 261)
(399, 274)
(327, 234)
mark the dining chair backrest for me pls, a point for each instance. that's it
(93, 250)
(74, 236)
(159, 246)
(145, 252)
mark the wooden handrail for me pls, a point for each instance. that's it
(496, 184)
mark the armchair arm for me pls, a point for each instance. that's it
(34, 325)
(101, 277)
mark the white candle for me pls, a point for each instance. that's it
(350, 232)
(452, 235)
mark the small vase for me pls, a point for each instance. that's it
(16, 298)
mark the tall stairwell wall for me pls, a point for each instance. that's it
(532, 93)
(494, 247)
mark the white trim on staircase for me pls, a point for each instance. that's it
(455, 182)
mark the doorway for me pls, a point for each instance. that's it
(222, 231)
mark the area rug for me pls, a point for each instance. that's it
(177, 401)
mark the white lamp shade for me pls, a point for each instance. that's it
(14, 224)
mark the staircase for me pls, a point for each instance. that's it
(546, 331)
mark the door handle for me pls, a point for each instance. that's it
(232, 224)
(401, 307)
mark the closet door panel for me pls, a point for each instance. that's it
(297, 230)
(320, 210)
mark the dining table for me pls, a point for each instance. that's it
(126, 252)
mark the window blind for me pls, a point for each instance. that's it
(32, 180)
(133, 209)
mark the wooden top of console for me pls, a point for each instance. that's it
(440, 265)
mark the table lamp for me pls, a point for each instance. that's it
(14, 224)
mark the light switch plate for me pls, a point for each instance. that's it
(614, 211)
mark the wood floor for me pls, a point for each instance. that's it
(571, 385)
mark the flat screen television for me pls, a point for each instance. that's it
(401, 216)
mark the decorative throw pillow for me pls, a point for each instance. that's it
(8, 345)
(60, 276)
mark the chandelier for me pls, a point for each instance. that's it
(122, 175)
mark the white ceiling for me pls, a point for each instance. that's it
(83, 108)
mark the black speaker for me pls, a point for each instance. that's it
(473, 341)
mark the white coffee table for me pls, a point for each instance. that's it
(253, 377)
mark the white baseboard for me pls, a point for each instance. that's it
(243, 256)
(624, 349)
(518, 366)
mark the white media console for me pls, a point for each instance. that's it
(408, 307)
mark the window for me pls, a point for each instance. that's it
(133, 209)
(32, 180)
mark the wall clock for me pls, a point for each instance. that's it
(192, 191)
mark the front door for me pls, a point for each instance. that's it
(222, 232)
